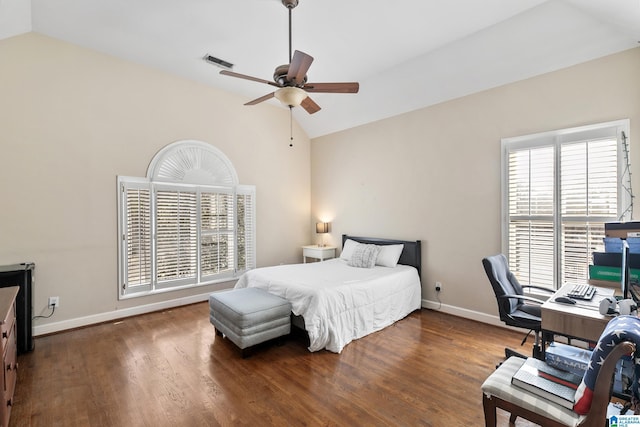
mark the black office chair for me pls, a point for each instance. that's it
(515, 308)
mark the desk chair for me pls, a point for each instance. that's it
(621, 336)
(515, 308)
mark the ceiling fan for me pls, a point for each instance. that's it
(291, 79)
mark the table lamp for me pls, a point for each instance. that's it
(322, 228)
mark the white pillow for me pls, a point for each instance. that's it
(389, 255)
(347, 249)
(364, 256)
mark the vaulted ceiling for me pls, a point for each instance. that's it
(406, 55)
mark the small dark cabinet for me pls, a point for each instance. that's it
(21, 275)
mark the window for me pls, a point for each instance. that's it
(559, 188)
(187, 224)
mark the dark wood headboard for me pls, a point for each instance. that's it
(411, 254)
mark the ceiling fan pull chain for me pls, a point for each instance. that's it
(291, 125)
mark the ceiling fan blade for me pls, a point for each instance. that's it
(244, 76)
(261, 99)
(347, 87)
(299, 66)
(309, 105)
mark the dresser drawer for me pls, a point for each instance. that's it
(10, 366)
(8, 325)
(9, 376)
(8, 351)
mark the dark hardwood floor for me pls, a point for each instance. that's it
(170, 369)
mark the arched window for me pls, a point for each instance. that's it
(188, 223)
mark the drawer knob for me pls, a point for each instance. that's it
(10, 402)
(5, 334)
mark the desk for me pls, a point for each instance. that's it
(581, 320)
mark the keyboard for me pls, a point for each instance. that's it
(584, 292)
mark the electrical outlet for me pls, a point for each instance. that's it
(54, 302)
(438, 286)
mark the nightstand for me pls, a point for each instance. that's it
(318, 252)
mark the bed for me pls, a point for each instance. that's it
(335, 302)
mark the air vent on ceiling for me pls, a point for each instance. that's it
(217, 61)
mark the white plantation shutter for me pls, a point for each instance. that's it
(588, 181)
(176, 235)
(560, 188)
(136, 235)
(217, 234)
(589, 198)
(188, 224)
(246, 227)
(531, 195)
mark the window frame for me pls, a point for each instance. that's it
(239, 229)
(556, 139)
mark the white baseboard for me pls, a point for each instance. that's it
(79, 322)
(467, 314)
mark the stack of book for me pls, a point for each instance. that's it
(568, 357)
(576, 360)
(548, 382)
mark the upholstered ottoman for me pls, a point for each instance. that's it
(249, 316)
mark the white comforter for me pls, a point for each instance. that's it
(340, 303)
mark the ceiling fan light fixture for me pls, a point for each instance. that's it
(290, 96)
(290, 4)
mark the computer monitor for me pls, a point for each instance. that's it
(624, 271)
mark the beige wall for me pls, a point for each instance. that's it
(434, 174)
(71, 120)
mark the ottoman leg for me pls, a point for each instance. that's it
(246, 352)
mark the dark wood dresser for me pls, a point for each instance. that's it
(9, 351)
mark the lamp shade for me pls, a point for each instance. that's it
(322, 227)
(290, 96)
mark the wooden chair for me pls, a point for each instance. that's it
(499, 393)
